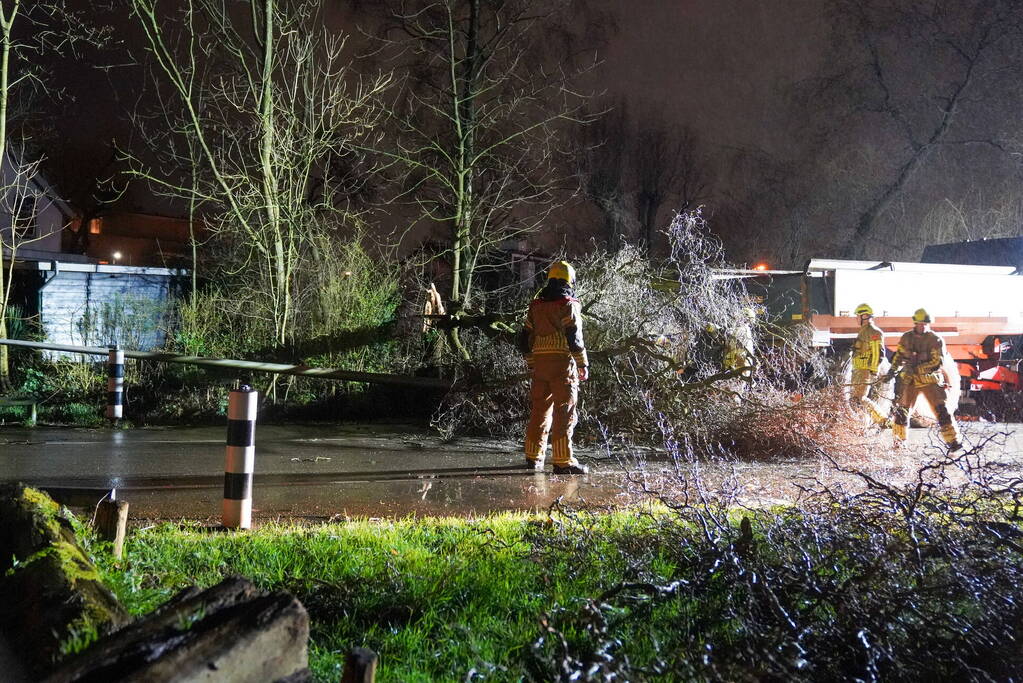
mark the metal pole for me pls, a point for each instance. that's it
(241, 458)
(252, 366)
(115, 383)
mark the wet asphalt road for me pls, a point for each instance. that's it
(334, 472)
(316, 472)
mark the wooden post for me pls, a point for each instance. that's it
(360, 666)
(111, 523)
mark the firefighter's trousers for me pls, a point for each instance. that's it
(936, 397)
(863, 381)
(553, 394)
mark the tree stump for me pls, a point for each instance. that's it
(49, 589)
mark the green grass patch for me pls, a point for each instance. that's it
(435, 598)
(627, 595)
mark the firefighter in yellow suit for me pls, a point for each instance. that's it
(552, 342)
(867, 353)
(919, 359)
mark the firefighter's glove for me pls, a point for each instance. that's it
(584, 373)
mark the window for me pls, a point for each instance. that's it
(25, 224)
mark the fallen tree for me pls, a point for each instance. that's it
(668, 342)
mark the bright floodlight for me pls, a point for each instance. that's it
(116, 255)
(760, 266)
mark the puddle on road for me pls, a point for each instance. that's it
(760, 484)
(327, 473)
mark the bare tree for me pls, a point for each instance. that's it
(987, 213)
(602, 168)
(478, 123)
(668, 164)
(926, 83)
(30, 34)
(250, 129)
(632, 167)
(8, 249)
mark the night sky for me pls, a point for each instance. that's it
(717, 66)
(727, 69)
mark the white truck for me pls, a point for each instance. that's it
(977, 310)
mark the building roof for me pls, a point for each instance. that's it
(1003, 251)
(66, 266)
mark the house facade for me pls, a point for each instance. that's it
(76, 299)
(139, 239)
(33, 216)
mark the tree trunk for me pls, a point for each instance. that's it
(465, 120)
(864, 229)
(230, 628)
(270, 185)
(5, 358)
(6, 274)
(856, 247)
(649, 204)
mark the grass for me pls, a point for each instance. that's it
(435, 598)
(822, 593)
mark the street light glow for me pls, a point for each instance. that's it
(116, 255)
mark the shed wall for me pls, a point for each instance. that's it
(96, 309)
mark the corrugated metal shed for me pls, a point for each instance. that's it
(89, 304)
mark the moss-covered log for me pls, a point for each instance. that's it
(49, 589)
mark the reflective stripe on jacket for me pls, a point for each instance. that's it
(554, 325)
(919, 357)
(867, 348)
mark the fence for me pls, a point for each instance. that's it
(252, 366)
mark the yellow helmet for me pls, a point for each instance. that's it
(562, 270)
(921, 316)
(864, 309)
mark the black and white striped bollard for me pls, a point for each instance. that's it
(241, 458)
(115, 383)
